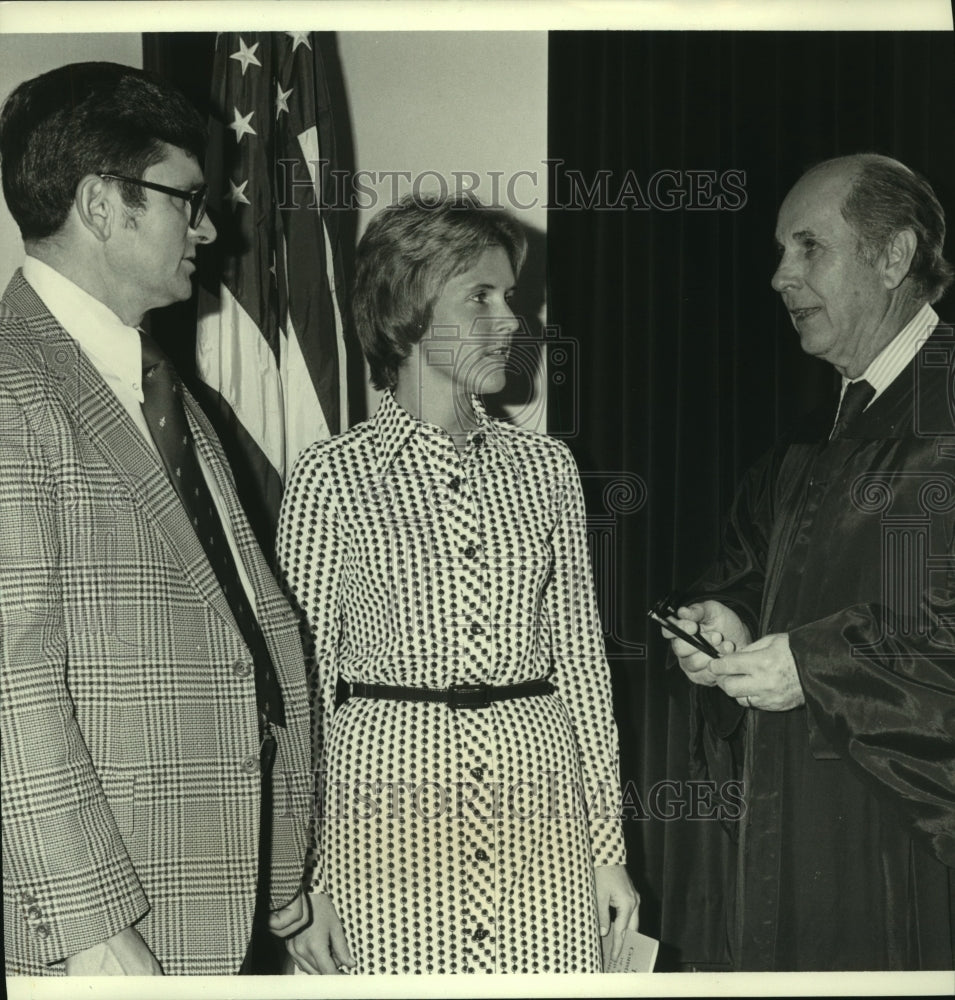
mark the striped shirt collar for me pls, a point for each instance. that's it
(113, 347)
(895, 356)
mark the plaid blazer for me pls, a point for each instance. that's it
(130, 780)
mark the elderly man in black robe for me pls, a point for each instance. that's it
(838, 559)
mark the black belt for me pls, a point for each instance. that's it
(457, 696)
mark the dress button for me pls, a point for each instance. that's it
(470, 552)
(479, 439)
(482, 855)
(477, 773)
(42, 931)
(476, 629)
(34, 913)
(455, 484)
(241, 669)
(250, 764)
(481, 933)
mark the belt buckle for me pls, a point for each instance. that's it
(468, 696)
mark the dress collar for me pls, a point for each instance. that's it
(394, 427)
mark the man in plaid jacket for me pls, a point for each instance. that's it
(136, 800)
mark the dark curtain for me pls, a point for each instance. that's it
(688, 368)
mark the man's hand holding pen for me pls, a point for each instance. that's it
(760, 674)
(715, 623)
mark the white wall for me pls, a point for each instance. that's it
(452, 103)
(445, 102)
(26, 56)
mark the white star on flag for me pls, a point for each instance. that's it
(237, 194)
(270, 339)
(281, 99)
(246, 56)
(241, 125)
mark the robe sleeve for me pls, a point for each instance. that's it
(881, 689)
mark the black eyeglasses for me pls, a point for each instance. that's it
(196, 199)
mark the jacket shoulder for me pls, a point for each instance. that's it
(20, 353)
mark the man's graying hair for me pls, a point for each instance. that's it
(887, 197)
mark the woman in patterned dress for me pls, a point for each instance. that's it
(469, 788)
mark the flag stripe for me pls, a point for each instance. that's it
(317, 291)
(236, 361)
(271, 338)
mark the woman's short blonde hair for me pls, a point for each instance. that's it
(408, 254)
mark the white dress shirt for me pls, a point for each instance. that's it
(115, 351)
(892, 360)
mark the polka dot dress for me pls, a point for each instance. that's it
(454, 840)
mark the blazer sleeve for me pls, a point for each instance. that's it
(63, 857)
(581, 673)
(310, 552)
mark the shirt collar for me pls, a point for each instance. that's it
(395, 426)
(893, 359)
(113, 346)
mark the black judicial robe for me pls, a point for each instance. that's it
(846, 848)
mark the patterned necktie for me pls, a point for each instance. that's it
(166, 418)
(854, 400)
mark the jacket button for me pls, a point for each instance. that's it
(482, 855)
(250, 764)
(241, 668)
(470, 552)
(481, 933)
(477, 773)
(42, 931)
(34, 913)
(476, 629)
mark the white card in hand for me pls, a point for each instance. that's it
(638, 954)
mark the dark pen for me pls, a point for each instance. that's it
(664, 608)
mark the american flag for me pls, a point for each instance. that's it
(270, 341)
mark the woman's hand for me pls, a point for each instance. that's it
(320, 948)
(615, 889)
(291, 918)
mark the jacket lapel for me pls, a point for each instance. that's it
(270, 605)
(101, 418)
